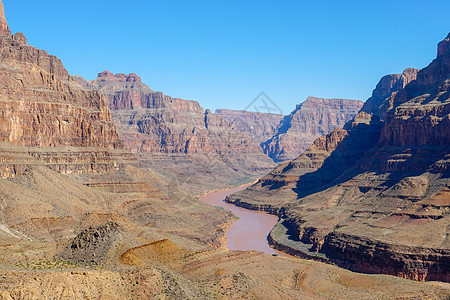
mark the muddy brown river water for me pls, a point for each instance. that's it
(251, 230)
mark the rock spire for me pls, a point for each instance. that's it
(4, 28)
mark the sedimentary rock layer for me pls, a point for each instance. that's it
(4, 28)
(177, 137)
(49, 120)
(311, 119)
(41, 107)
(374, 196)
(258, 126)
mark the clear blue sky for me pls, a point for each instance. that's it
(224, 53)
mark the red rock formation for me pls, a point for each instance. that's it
(49, 124)
(176, 136)
(311, 119)
(41, 107)
(258, 126)
(386, 86)
(444, 46)
(373, 197)
(419, 114)
(4, 28)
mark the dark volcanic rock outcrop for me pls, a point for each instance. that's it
(178, 137)
(374, 196)
(258, 126)
(312, 118)
(92, 245)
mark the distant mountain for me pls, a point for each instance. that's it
(312, 118)
(373, 197)
(177, 137)
(258, 126)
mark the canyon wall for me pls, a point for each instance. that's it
(258, 126)
(178, 138)
(47, 119)
(77, 222)
(386, 86)
(373, 196)
(63, 170)
(4, 28)
(311, 119)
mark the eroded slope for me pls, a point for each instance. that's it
(373, 197)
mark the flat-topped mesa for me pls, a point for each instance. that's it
(258, 126)
(127, 92)
(4, 28)
(315, 102)
(107, 75)
(166, 124)
(175, 134)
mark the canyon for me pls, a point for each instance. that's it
(199, 150)
(374, 196)
(311, 119)
(285, 137)
(97, 182)
(259, 126)
(192, 147)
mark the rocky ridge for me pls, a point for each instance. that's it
(65, 177)
(258, 126)
(146, 238)
(374, 196)
(177, 137)
(311, 119)
(47, 119)
(386, 86)
(4, 28)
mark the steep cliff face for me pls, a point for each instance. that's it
(419, 114)
(63, 170)
(177, 137)
(311, 119)
(4, 28)
(386, 86)
(374, 196)
(258, 126)
(49, 116)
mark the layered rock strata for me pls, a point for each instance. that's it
(177, 137)
(47, 119)
(4, 28)
(127, 233)
(311, 119)
(63, 168)
(386, 86)
(258, 126)
(374, 196)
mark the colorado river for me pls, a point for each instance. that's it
(251, 230)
